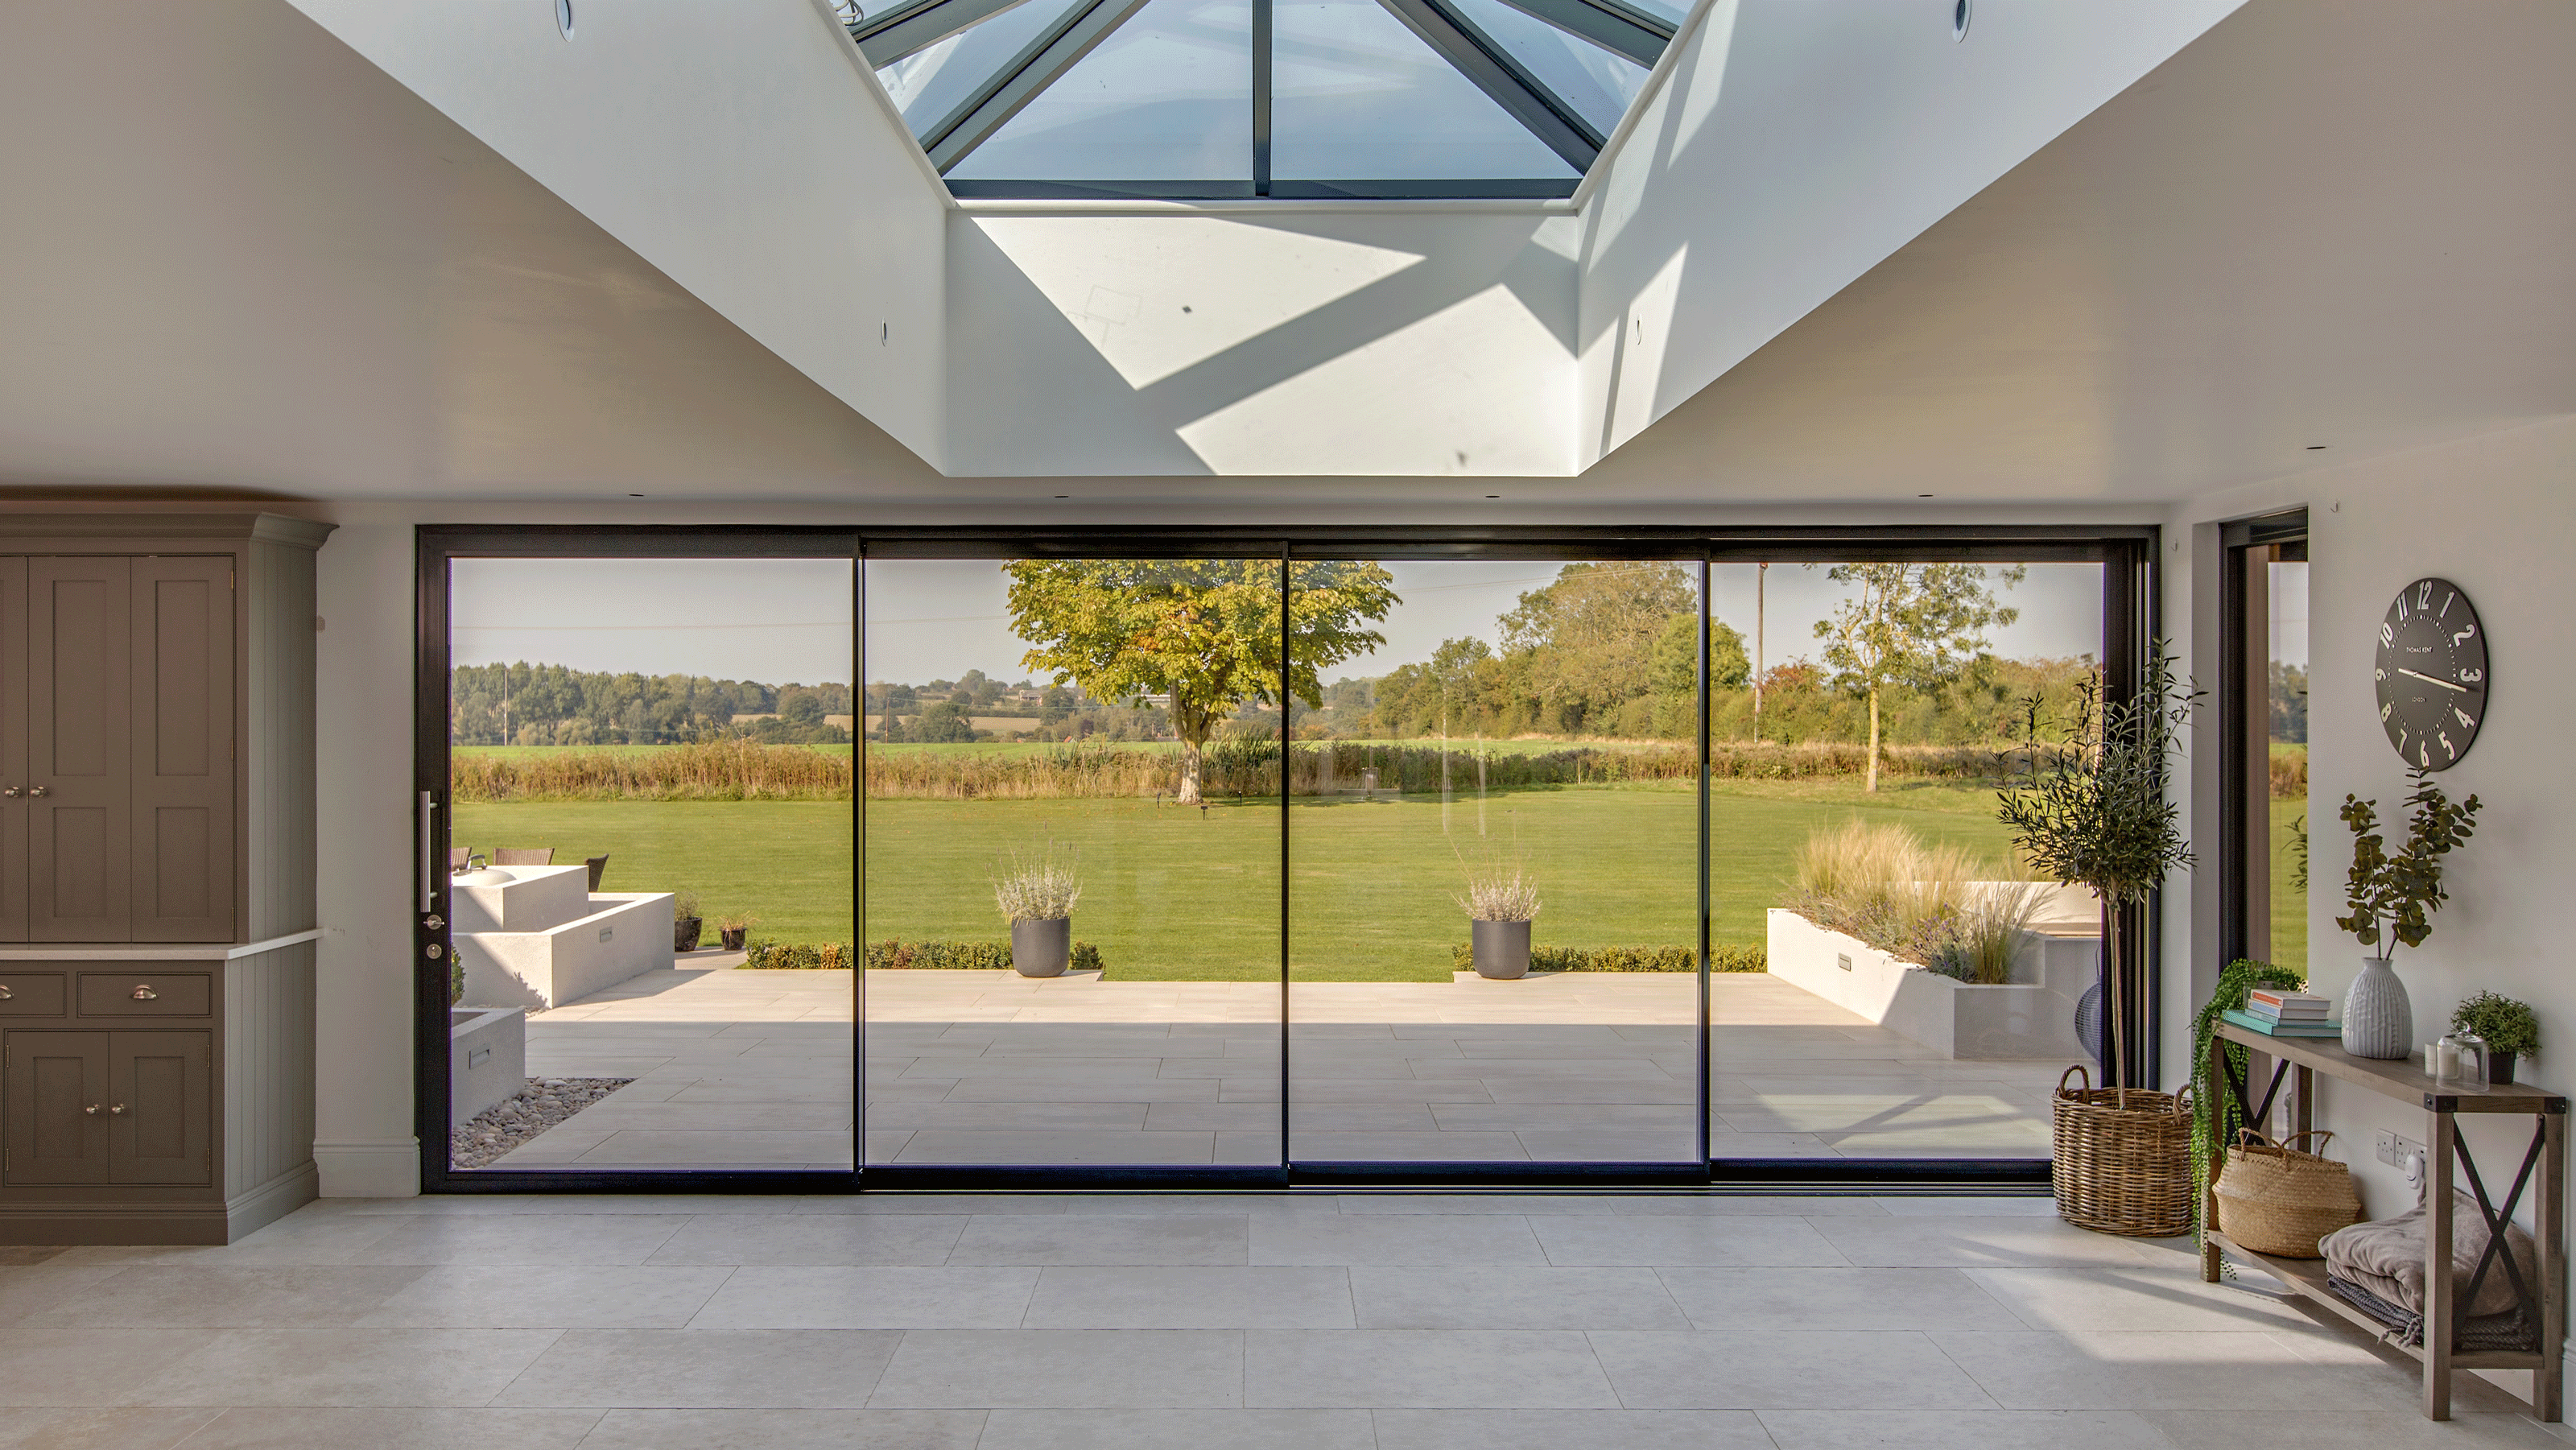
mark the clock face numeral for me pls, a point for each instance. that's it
(2432, 667)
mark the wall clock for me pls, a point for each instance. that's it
(2432, 674)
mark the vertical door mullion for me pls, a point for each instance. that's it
(859, 855)
(1261, 48)
(1286, 733)
(1705, 903)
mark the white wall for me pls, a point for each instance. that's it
(2493, 515)
(1298, 342)
(743, 148)
(1795, 145)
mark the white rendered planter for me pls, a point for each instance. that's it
(542, 939)
(487, 1058)
(2031, 1017)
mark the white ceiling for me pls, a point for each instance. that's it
(238, 257)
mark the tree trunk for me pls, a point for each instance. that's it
(1189, 791)
(1873, 737)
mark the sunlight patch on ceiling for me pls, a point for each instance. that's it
(1481, 387)
(1158, 294)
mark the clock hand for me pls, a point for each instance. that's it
(2428, 679)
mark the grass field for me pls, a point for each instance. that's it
(2289, 904)
(1172, 894)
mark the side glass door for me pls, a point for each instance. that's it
(1493, 910)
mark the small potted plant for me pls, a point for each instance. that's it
(1500, 902)
(2393, 898)
(733, 927)
(1037, 897)
(685, 922)
(2510, 1029)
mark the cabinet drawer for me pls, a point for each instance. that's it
(31, 994)
(133, 992)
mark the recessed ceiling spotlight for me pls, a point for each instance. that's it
(1960, 14)
(2316, 448)
(1064, 495)
(563, 17)
(1493, 495)
(1923, 495)
(635, 495)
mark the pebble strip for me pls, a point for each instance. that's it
(545, 1102)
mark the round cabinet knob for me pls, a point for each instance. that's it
(143, 992)
(116, 1110)
(10, 791)
(5, 993)
(92, 1110)
(35, 790)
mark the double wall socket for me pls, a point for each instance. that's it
(2395, 1150)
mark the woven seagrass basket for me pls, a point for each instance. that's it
(2123, 1161)
(2280, 1201)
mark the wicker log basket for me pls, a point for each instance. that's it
(2280, 1201)
(2123, 1158)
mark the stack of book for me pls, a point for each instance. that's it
(2278, 1013)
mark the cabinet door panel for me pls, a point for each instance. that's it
(53, 1119)
(160, 1107)
(183, 749)
(14, 809)
(80, 727)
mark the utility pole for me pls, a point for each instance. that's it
(1761, 577)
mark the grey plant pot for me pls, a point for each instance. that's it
(684, 933)
(2378, 1020)
(1042, 948)
(1501, 949)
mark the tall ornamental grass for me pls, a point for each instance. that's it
(1939, 906)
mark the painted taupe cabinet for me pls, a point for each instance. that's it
(157, 918)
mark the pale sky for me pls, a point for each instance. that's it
(779, 620)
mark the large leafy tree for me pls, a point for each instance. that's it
(1912, 624)
(1206, 632)
(1588, 637)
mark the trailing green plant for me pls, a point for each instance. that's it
(2215, 1114)
(1462, 958)
(897, 955)
(2393, 895)
(2507, 1026)
(2100, 815)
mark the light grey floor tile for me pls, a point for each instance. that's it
(1105, 1239)
(353, 1367)
(540, 1296)
(1190, 1298)
(2041, 1206)
(394, 1429)
(1512, 1298)
(1976, 1242)
(87, 1367)
(1178, 1430)
(1740, 1205)
(523, 1239)
(1423, 1369)
(1792, 1370)
(98, 1429)
(187, 1296)
(813, 1239)
(1569, 1430)
(1516, 1204)
(294, 1239)
(1761, 1300)
(1971, 1430)
(1425, 1240)
(2179, 1370)
(2328, 1428)
(869, 1297)
(786, 1430)
(898, 1204)
(2139, 1297)
(1070, 1369)
(706, 1369)
(1679, 1240)
(1198, 1205)
(46, 1287)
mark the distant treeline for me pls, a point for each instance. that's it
(525, 704)
(1237, 768)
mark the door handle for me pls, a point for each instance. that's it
(143, 993)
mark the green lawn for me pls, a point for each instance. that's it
(2289, 904)
(1172, 894)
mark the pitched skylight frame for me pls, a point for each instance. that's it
(1617, 27)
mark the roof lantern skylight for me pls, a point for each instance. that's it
(1253, 98)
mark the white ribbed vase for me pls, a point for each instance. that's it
(2378, 1021)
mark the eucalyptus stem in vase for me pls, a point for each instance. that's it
(2392, 896)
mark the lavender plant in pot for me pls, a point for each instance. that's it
(2393, 896)
(1501, 900)
(1036, 895)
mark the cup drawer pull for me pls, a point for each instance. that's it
(143, 992)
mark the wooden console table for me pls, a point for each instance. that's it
(2301, 1060)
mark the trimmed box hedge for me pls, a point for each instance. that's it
(1624, 959)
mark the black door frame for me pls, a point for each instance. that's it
(2238, 749)
(2131, 605)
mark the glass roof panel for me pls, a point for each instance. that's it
(1597, 83)
(1670, 10)
(1167, 97)
(1356, 95)
(928, 84)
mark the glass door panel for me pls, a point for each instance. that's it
(1887, 982)
(1092, 746)
(649, 760)
(1511, 740)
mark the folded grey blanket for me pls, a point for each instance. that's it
(2386, 1257)
(2515, 1330)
